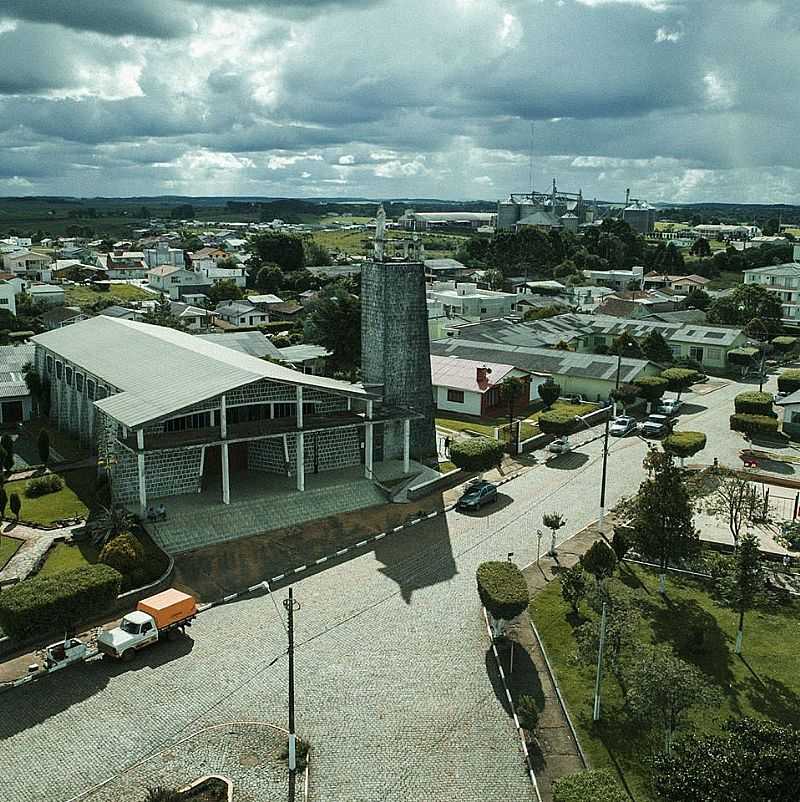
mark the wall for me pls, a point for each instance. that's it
(171, 472)
(471, 405)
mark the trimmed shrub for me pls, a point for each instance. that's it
(684, 444)
(549, 392)
(476, 453)
(752, 402)
(43, 485)
(743, 357)
(789, 381)
(680, 379)
(502, 589)
(651, 388)
(124, 553)
(595, 785)
(784, 344)
(753, 424)
(59, 602)
(559, 422)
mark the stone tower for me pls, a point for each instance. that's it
(395, 349)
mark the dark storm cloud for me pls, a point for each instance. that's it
(150, 18)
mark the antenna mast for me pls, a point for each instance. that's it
(530, 165)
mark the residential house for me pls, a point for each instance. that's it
(122, 313)
(17, 282)
(286, 310)
(467, 301)
(50, 294)
(445, 270)
(784, 282)
(471, 387)
(8, 300)
(162, 254)
(265, 301)
(15, 397)
(633, 304)
(615, 279)
(28, 264)
(193, 318)
(121, 264)
(306, 357)
(207, 257)
(240, 313)
(59, 316)
(790, 405)
(175, 281)
(214, 274)
(680, 284)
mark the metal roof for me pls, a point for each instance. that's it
(160, 371)
(245, 342)
(303, 352)
(12, 360)
(462, 374)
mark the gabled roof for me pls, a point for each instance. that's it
(787, 269)
(160, 371)
(165, 270)
(462, 374)
(245, 342)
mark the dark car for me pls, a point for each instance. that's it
(656, 426)
(476, 495)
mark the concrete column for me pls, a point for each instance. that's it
(299, 407)
(140, 465)
(368, 450)
(223, 417)
(301, 461)
(406, 446)
(226, 476)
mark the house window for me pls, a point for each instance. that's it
(101, 392)
(59, 370)
(68, 377)
(696, 353)
(79, 382)
(90, 389)
(456, 396)
(4, 301)
(50, 364)
(795, 417)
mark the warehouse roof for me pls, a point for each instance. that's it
(253, 343)
(159, 371)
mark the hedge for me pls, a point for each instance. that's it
(651, 388)
(124, 553)
(43, 485)
(58, 603)
(784, 344)
(503, 590)
(789, 381)
(684, 444)
(743, 357)
(476, 453)
(595, 785)
(558, 421)
(752, 402)
(754, 424)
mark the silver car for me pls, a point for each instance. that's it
(621, 426)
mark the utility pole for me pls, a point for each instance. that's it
(603, 478)
(289, 604)
(596, 711)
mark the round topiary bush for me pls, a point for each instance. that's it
(476, 454)
(754, 424)
(558, 422)
(684, 444)
(752, 402)
(124, 553)
(789, 381)
(502, 589)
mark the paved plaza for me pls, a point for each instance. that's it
(392, 680)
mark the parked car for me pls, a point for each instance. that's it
(476, 495)
(621, 425)
(560, 446)
(656, 426)
(779, 396)
(669, 406)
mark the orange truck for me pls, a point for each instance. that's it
(164, 615)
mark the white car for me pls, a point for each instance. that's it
(560, 446)
(620, 426)
(669, 406)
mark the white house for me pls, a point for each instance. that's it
(467, 301)
(192, 317)
(8, 302)
(783, 281)
(238, 275)
(241, 313)
(49, 294)
(15, 397)
(470, 387)
(172, 280)
(162, 254)
(29, 264)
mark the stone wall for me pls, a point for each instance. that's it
(395, 349)
(267, 456)
(336, 448)
(171, 472)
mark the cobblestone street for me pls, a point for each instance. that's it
(392, 683)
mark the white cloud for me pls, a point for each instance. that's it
(666, 35)
(347, 158)
(485, 180)
(719, 92)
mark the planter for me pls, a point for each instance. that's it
(211, 788)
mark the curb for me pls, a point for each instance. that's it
(267, 584)
(520, 733)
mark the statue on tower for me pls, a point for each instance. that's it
(380, 234)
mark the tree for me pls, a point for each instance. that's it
(626, 394)
(771, 227)
(752, 759)
(334, 321)
(269, 278)
(184, 211)
(697, 299)
(661, 514)
(573, 586)
(680, 379)
(789, 381)
(15, 504)
(503, 592)
(600, 561)
(553, 521)
(550, 392)
(43, 446)
(284, 250)
(494, 279)
(7, 443)
(7, 459)
(746, 302)
(651, 388)
(742, 586)
(752, 402)
(784, 345)
(161, 315)
(621, 543)
(476, 454)
(684, 444)
(315, 255)
(528, 713)
(593, 785)
(510, 390)
(225, 290)
(3, 502)
(700, 247)
(627, 346)
(655, 348)
(661, 689)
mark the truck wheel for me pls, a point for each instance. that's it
(174, 634)
(128, 655)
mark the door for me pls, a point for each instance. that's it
(12, 411)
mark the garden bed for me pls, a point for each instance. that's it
(211, 789)
(74, 500)
(8, 548)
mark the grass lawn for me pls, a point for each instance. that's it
(725, 281)
(8, 548)
(72, 501)
(566, 406)
(79, 295)
(68, 447)
(64, 556)
(763, 682)
(352, 242)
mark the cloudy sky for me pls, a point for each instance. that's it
(682, 100)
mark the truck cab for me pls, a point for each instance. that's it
(135, 631)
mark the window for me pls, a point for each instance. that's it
(795, 417)
(101, 391)
(696, 353)
(49, 364)
(456, 396)
(90, 389)
(285, 410)
(483, 310)
(59, 370)
(79, 382)
(68, 376)
(4, 301)
(199, 420)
